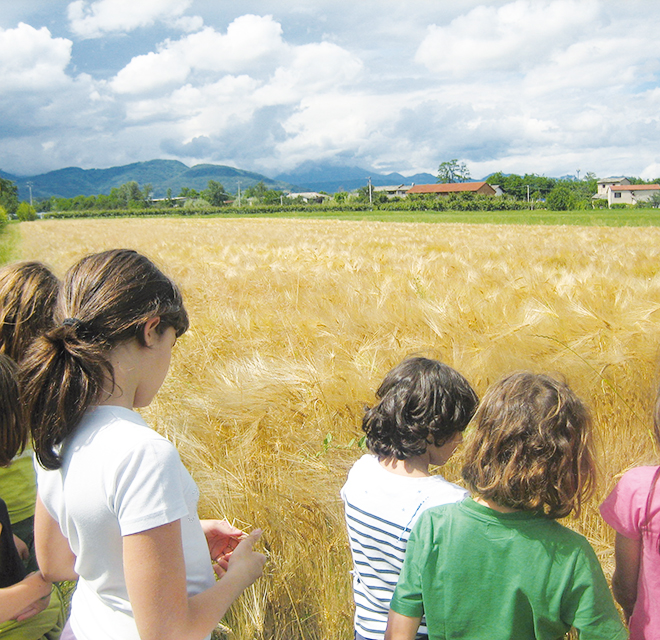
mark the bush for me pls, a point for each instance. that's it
(4, 217)
(560, 199)
(26, 212)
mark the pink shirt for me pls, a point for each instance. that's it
(625, 510)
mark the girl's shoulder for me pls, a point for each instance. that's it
(636, 479)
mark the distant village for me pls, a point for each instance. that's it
(614, 190)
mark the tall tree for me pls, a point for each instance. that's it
(215, 194)
(8, 195)
(453, 171)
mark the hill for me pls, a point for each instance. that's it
(172, 174)
(161, 174)
(324, 176)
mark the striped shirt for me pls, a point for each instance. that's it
(381, 507)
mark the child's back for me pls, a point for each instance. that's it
(486, 575)
(499, 566)
(424, 406)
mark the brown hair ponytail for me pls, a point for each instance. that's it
(105, 300)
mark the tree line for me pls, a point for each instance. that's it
(559, 194)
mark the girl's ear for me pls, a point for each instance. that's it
(150, 334)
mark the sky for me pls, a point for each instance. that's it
(552, 87)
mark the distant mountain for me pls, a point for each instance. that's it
(172, 174)
(323, 176)
(161, 174)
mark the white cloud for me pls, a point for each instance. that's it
(512, 37)
(249, 39)
(31, 59)
(93, 19)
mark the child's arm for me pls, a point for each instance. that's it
(54, 555)
(400, 627)
(27, 597)
(155, 573)
(627, 555)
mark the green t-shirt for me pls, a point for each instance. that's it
(484, 575)
(18, 487)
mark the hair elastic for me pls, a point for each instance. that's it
(72, 322)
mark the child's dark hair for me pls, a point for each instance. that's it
(531, 446)
(28, 291)
(105, 300)
(421, 401)
(13, 434)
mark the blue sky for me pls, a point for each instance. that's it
(543, 86)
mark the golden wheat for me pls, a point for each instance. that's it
(295, 322)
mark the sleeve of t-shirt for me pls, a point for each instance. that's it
(148, 488)
(625, 508)
(407, 598)
(588, 605)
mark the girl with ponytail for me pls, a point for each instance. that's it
(116, 509)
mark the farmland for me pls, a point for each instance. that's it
(295, 321)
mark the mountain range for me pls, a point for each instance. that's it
(172, 174)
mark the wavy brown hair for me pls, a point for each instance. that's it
(28, 291)
(420, 401)
(105, 300)
(531, 447)
(13, 434)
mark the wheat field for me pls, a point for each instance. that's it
(295, 322)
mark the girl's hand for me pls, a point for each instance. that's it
(221, 537)
(245, 563)
(32, 610)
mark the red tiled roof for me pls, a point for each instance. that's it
(636, 187)
(453, 187)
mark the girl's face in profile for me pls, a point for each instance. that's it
(157, 359)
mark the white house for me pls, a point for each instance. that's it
(393, 191)
(630, 193)
(605, 183)
(309, 196)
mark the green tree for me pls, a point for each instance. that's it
(256, 191)
(215, 194)
(453, 171)
(8, 195)
(654, 200)
(561, 199)
(187, 192)
(272, 196)
(25, 212)
(4, 217)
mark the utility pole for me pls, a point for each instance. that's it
(578, 174)
(239, 193)
(29, 184)
(370, 198)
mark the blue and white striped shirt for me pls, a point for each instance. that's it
(381, 507)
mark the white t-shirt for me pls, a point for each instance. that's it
(119, 477)
(381, 508)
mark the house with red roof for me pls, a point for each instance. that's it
(630, 193)
(482, 188)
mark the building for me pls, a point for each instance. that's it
(605, 183)
(630, 193)
(309, 196)
(482, 188)
(393, 191)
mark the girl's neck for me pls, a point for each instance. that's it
(493, 505)
(417, 467)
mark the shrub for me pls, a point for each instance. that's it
(560, 199)
(4, 217)
(26, 212)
